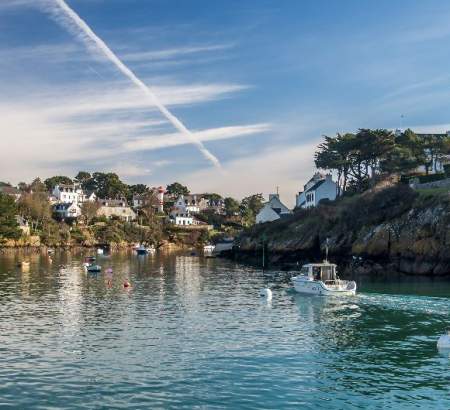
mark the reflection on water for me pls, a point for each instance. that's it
(193, 332)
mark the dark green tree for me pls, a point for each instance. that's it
(9, 228)
(249, 208)
(50, 183)
(177, 189)
(231, 206)
(108, 185)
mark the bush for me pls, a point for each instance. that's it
(431, 178)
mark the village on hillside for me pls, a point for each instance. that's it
(99, 208)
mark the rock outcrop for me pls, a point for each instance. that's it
(391, 229)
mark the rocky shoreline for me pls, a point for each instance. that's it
(392, 230)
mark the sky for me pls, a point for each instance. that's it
(257, 82)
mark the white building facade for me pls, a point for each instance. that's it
(318, 188)
(67, 210)
(272, 210)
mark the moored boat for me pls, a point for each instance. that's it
(321, 279)
(208, 248)
(94, 268)
(144, 250)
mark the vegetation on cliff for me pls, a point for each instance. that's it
(396, 226)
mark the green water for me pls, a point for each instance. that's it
(193, 333)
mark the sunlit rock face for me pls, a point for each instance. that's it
(395, 227)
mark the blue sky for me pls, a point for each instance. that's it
(258, 82)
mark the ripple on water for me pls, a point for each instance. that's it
(194, 333)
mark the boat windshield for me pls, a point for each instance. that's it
(304, 270)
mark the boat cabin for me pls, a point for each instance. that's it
(320, 271)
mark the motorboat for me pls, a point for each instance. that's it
(321, 279)
(94, 268)
(209, 248)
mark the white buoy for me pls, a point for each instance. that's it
(265, 293)
(444, 341)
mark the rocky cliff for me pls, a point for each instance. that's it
(386, 229)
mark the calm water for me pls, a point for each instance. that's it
(193, 333)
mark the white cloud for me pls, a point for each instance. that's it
(172, 53)
(213, 134)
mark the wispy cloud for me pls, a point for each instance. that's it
(70, 20)
(214, 134)
(172, 53)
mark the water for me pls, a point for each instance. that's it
(193, 333)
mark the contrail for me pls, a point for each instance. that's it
(70, 19)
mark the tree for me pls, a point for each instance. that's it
(212, 197)
(82, 177)
(231, 206)
(23, 186)
(138, 189)
(35, 208)
(176, 189)
(249, 208)
(9, 228)
(50, 183)
(37, 186)
(108, 185)
(149, 207)
(335, 155)
(89, 210)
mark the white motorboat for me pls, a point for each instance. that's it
(209, 248)
(321, 279)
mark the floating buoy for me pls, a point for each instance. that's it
(109, 270)
(444, 341)
(126, 284)
(265, 293)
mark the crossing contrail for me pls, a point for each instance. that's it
(72, 21)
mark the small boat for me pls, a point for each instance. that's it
(89, 259)
(94, 268)
(321, 279)
(99, 251)
(143, 250)
(209, 248)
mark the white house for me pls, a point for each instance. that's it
(273, 209)
(67, 210)
(317, 188)
(116, 208)
(182, 219)
(68, 193)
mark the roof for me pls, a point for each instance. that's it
(113, 202)
(315, 186)
(10, 190)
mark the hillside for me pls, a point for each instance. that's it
(388, 229)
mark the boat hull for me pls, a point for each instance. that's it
(318, 288)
